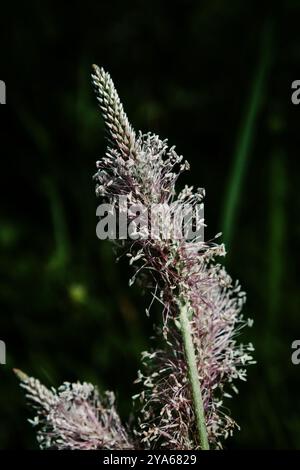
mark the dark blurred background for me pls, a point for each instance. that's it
(215, 78)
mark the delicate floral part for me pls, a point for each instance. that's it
(148, 177)
(144, 169)
(179, 270)
(167, 417)
(74, 417)
(120, 131)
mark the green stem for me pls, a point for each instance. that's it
(193, 376)
(245, 137)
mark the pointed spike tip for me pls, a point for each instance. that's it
(21, 375)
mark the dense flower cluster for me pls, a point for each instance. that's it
(74, 416)
(167, 415)
(181, 271)
(144, 169)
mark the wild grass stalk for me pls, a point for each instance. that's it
(234, 190)
(183, 383)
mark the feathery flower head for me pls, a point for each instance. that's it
(74, 416)
(183, 272)
(184, 382)
(141, 167)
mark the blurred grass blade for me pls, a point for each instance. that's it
(245, 138)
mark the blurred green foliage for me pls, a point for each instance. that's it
(194, 72)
